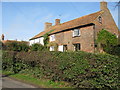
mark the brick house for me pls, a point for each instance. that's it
(80, 33)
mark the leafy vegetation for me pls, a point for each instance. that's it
(80, 69)
(46, 38)
(16, 46)
(53, 44)
(37, 47)
(108, 42)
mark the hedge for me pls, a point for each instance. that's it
(82, 70)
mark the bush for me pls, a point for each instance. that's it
(108, 42)
(37, 47)
(82, 70)
(1, 45)
(16, 46)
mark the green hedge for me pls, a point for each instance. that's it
(82, 70)
(16, 46)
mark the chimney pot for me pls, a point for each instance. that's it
(47, 25)
(57, 21)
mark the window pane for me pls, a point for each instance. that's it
(77, 47)
(76, 32)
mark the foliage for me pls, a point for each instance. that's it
(37, 47)
(53, 44)
(83, 70)
(1, 45)
(46, 38)
(16, 46)
(107, 40)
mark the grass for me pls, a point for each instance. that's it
(43, 83)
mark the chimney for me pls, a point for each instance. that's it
(47, 25)
(57, 21)
(103, 5)
(2, 37)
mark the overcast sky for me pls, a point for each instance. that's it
(23, 20)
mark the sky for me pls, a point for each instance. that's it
(23, 20)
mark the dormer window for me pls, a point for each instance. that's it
(100, 19)
(76, 32)
(52, 38)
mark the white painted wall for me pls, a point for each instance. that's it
(60, 48)
(41, 40)
(38, 40)
(31, 42)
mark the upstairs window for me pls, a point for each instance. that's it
(76, 47)
(76, 32)
(100, 19)
(52, 38)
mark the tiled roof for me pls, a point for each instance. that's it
(87, 19)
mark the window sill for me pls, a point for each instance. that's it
(76, 36)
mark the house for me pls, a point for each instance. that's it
(80, 33)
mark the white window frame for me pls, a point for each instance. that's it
(52, 38)
(74, 32)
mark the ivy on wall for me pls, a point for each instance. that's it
(46, 38)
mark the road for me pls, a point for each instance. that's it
(10, 83)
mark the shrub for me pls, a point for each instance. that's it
(37, 47)
(16, 46)
(1, 45)
(107, 41)
(82, 70)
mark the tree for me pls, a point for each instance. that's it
(37, 47)
(106, 40)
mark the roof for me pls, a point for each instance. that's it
(87, 19)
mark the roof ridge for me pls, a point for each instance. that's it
(82, 17)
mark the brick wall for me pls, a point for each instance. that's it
(86, 39)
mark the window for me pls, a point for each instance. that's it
(64, 48)
(76, 47)
(51, 48)
(52, 38)
(76, 32)
(100, 19)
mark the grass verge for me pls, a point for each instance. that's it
(43, 83)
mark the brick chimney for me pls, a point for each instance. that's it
(47, 25)
(57, 21)
(103, 5)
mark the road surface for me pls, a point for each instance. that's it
(10, 83)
